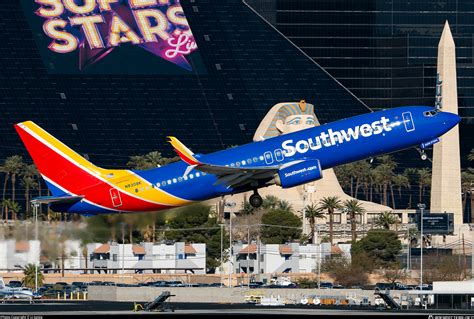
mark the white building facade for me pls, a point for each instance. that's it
(288, 258)
(17, 254)
(173, 258)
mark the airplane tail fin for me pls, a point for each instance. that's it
(184, 153)
(64, 171)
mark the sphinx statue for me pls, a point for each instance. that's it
(284, 118)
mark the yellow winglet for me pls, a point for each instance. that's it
(183, 152)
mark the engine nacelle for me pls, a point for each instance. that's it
(299, 173)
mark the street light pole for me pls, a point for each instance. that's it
(123, 251)
(303, 212)
(222, 244)
(421, 207)
(35, 210)
(230, 250)
(248, 256)
(319, 257)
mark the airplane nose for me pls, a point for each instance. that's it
(450, 119)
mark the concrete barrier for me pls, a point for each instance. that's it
(215, 294)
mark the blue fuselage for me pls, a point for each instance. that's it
(333, 144)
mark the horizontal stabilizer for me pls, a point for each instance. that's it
(57, 200)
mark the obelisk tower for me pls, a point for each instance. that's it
(446, 179)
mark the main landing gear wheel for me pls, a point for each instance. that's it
(256, 200)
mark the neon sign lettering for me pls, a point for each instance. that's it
(96, 27)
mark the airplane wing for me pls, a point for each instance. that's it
(230, 176)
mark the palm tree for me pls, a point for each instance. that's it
(467, 186)
(8, 206)
(470, 157)
(150, 160)
(353, 207)
(424, 179)
(270, 202)
(29, 280)
(386, 219)
(312, 212)
(284, 205)
(343, 176)
(400, 181)
(13, 166)
(15, 208)
(385, 172)
(154, 159)
(137, 162)
(412, 175)
(361, 170)
(5, 209)
(29, 182)
(330, 204)
(412, 236)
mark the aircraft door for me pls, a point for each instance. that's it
(408, 121)
(268, 157)
(115, 196)
(279, 155)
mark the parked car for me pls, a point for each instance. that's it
(159, 283)
(108, 283)
(62, 283)
(215, 284)
(338, 287)
(424, 287)
(174, 283)
(95, 283)
(326, 285)
(14, 283)
(383, 286)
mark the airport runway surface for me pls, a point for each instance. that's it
(59, 308)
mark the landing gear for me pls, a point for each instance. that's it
(423, 155)
(255, 200)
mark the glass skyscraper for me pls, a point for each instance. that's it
(384, 51)
(246, 68)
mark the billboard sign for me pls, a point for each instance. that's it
(437, 224)
(79, 36)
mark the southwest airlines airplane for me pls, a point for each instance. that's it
(78, 186)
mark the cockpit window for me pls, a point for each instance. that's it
(430, 113)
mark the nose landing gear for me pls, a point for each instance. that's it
(423, 155)
(255, 199)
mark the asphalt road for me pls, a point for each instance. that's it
(59, 308)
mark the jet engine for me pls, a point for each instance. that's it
(298, 173)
